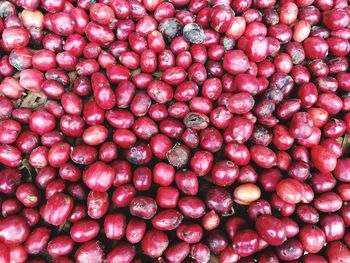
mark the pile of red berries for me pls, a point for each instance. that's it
(174, 131)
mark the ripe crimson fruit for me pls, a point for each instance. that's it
(174, 131)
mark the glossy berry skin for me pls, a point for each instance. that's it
(246, 242)
(290, 250)
(122, 252)
(143, 206)
(290, 190)
(224, 173)
(91, 250)
(154, 243)
(56, 209)
(99, 176)
(60, 245)
(14, 224)
(78, 234)
(312, 238)
(37, 240)
(271, 229)
(323, 160)
(41, 122)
